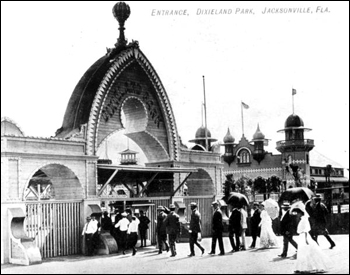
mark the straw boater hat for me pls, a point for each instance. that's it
(285, 205)
(172, 206)
(124, 214)
(193, 204)
(161, 208)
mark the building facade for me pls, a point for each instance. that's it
(50, 185)
(249, 166)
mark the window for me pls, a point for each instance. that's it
(244, 156)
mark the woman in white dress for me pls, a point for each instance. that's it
(310, 258)
(267, 236)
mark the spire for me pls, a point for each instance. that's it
(229, 138)
(258, 134)
(121, 12)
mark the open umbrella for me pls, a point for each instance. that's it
(237, 198)
(296, 193)
(272, 208)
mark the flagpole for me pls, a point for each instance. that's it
(205, 116)
(242, 119)
(293, 100)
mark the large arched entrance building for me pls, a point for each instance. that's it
(54, 183)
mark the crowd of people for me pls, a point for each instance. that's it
(305, 220)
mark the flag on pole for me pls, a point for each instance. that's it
(245, 105)
(294, 92)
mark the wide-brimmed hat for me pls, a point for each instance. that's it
(161, 208)
(193, 204)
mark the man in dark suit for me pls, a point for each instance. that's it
(195, 229)
(254, 224)
(288, 228)
(217, 229)
(161, 229)
(172, 223)
(235, 228)
(143, 226)
(318, 221)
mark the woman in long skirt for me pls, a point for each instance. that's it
(267, 236)
(310, 258)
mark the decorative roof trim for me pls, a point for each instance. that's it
(262, 170)
(120, 63)
(47, 138)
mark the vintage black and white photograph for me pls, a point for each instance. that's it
(174, 137)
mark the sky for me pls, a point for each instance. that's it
(253, 53)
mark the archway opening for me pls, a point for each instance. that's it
(53, 181)
(200, 183)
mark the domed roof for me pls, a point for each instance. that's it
(229, 138)
(294, 121)
(200, 135)
(80, 103)
(201, 132)
(258, 134)
(10, 128)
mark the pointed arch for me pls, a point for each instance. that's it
(125, 59)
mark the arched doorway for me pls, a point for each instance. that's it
(53, 210)
(200, 184)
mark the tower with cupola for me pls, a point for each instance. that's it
(295, 152)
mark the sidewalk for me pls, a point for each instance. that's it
(147, 261)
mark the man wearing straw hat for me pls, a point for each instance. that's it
(254, 224)
(217, 229)
(89, 230)
(172, 223)
(318, 221)
(161, 230)
(288, 228)
(123, 226)
(195, 229)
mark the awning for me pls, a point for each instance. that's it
(95, 209)
(124, 174)
(332, 179)
(140, 169)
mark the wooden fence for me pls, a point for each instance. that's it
(55, 227)
(204, 207)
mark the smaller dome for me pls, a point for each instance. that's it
(201, 132)
(229, 138)
(258, 134)
(294, 121)
(9, 127)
